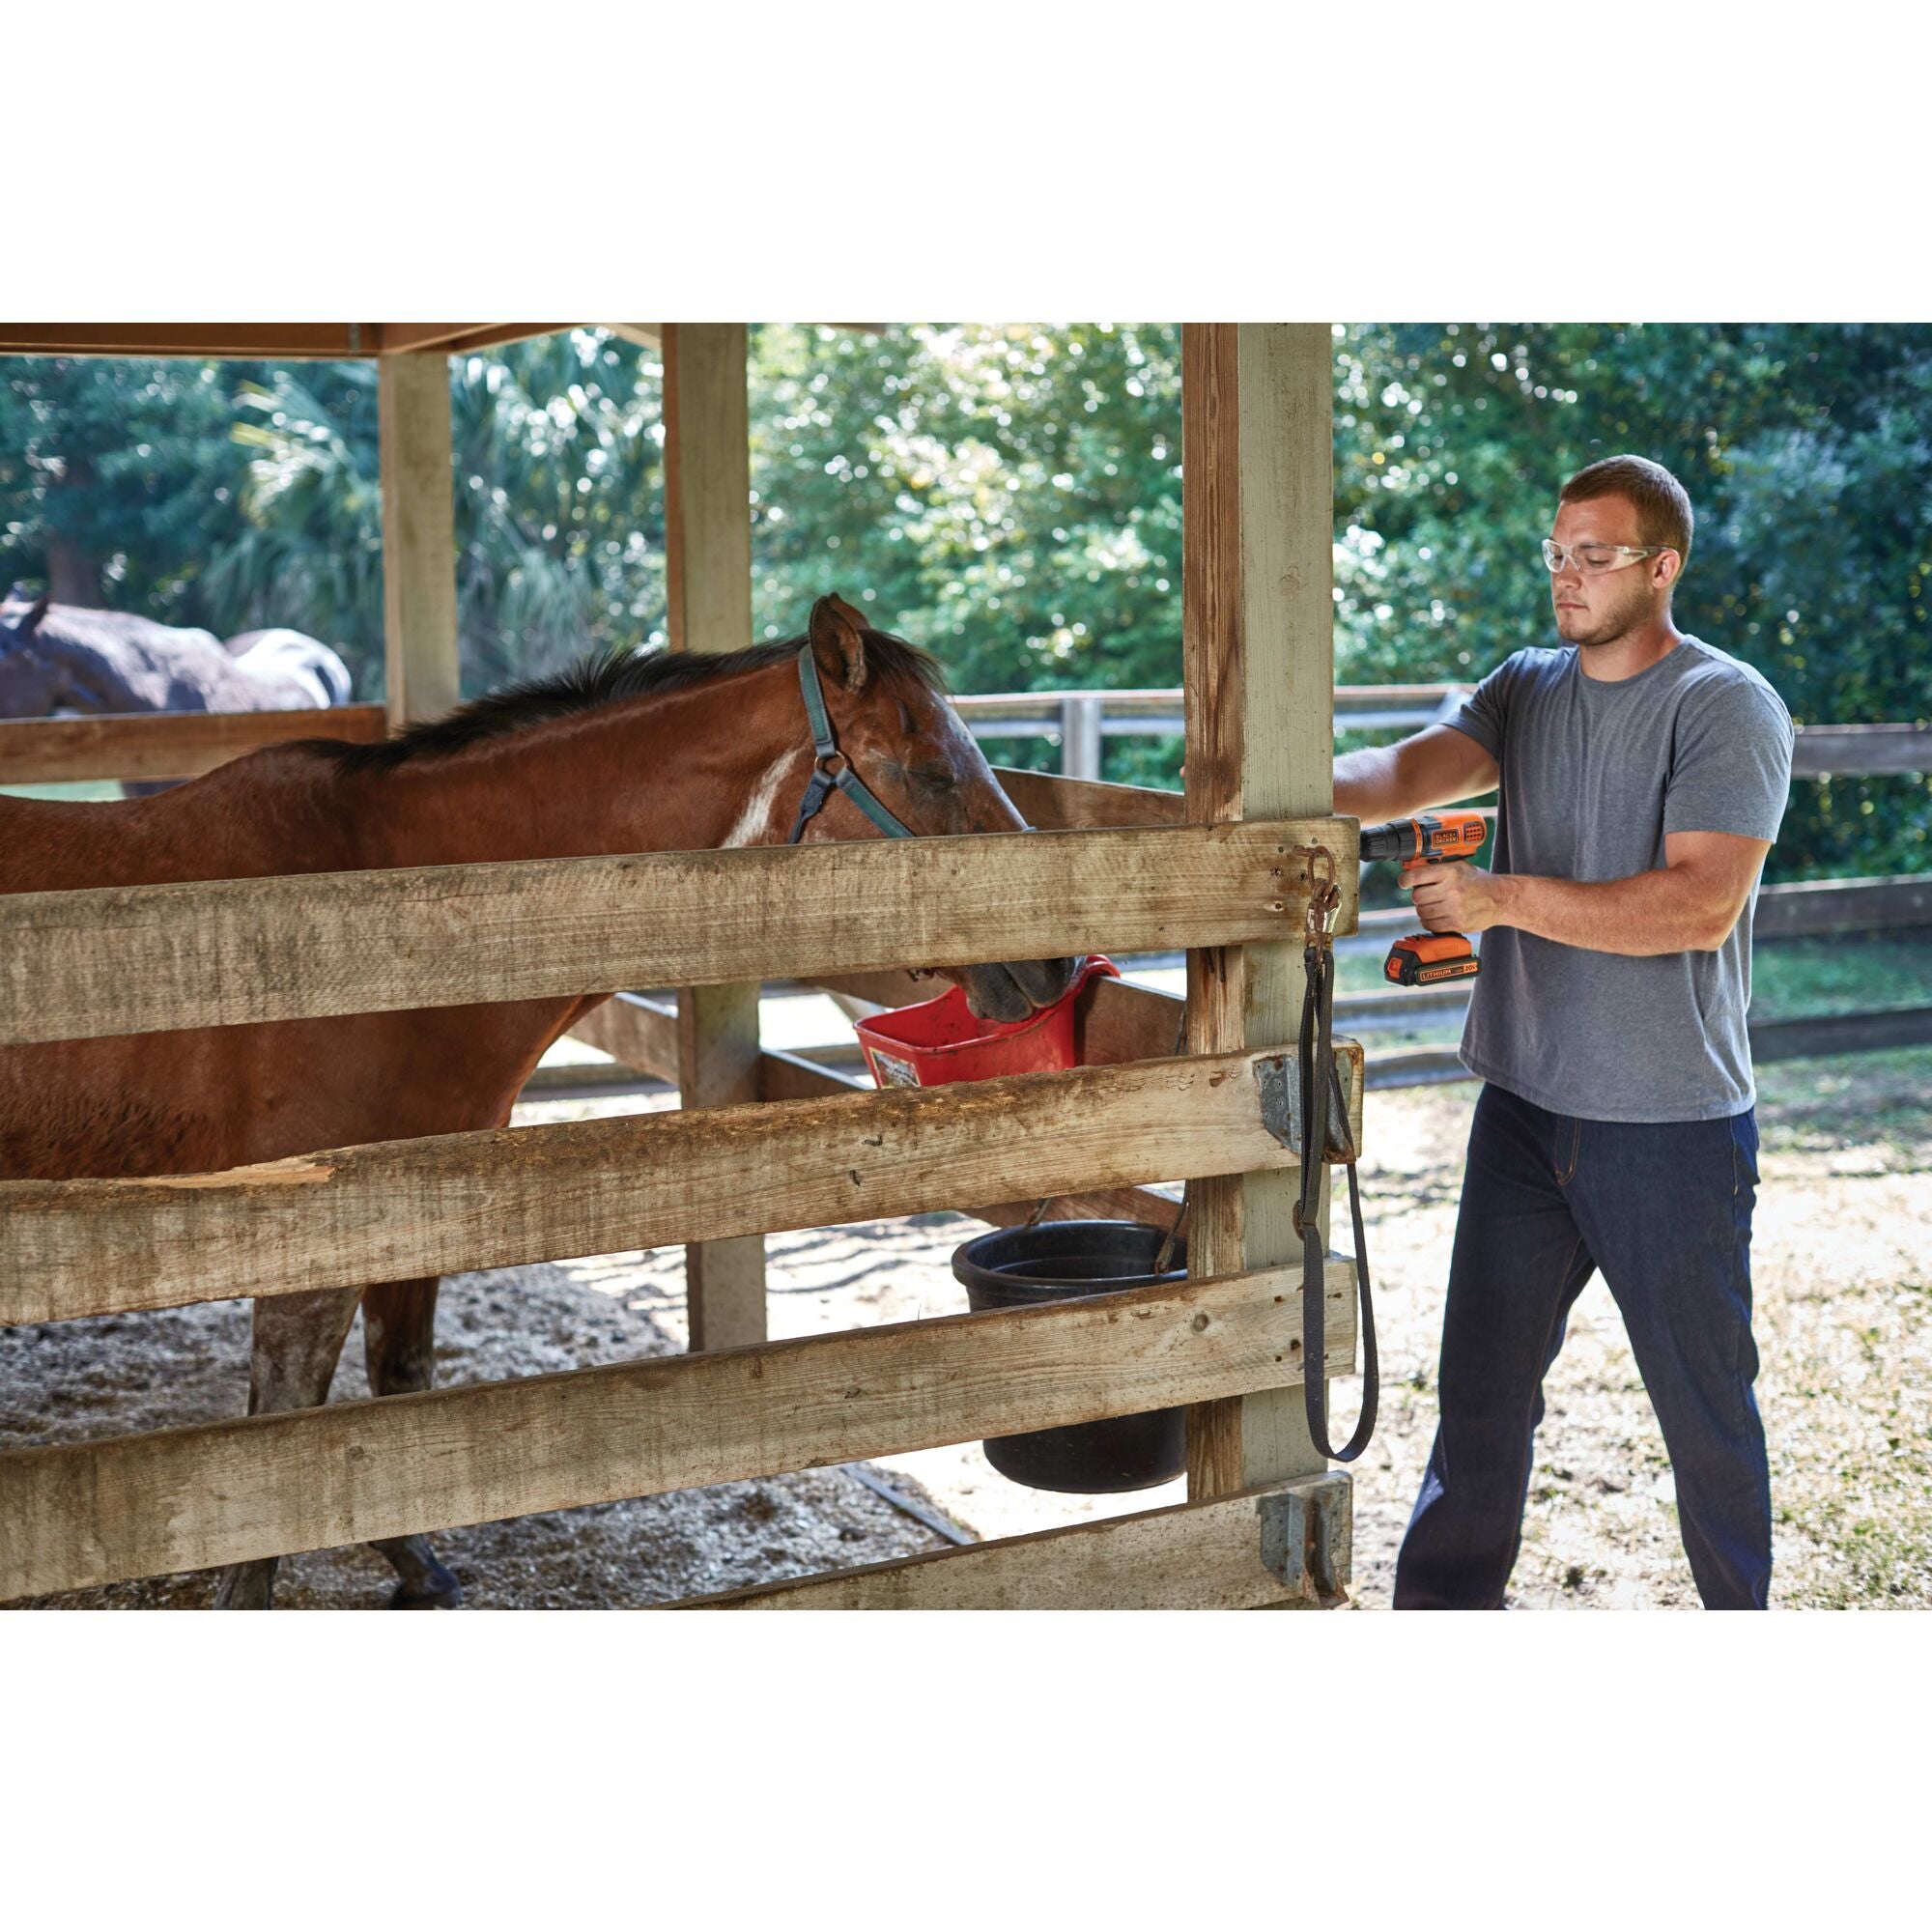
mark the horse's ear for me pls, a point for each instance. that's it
(24, 626)
(838, 641)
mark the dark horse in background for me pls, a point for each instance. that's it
(57, 660)
(660, 753)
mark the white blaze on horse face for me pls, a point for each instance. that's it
(753, 826)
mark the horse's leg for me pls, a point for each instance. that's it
(398, 1329)
(298, 1338)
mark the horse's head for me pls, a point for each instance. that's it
(887, 706)
(30, 679)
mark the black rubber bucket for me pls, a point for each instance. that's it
(1058, 1260)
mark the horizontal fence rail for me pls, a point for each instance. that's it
(398, 1209)
(81, 1513)
(1035, 714)
(1080, 719)
(165, 743)
(1283, 1547)
(1860, 751)
(181, 744)
(234, 952)
(1841, 905)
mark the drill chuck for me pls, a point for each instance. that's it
(1430, 839)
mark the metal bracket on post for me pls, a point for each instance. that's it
(1278, 1076)
(1299, 1544)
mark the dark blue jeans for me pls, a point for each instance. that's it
(1665, 1210)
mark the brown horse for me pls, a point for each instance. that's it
(653, 754)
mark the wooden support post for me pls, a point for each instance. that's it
(708, 582)
(419, 537)
(1256, 403)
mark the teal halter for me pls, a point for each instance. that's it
(831, 767)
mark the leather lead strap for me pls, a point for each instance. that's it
(1321, 1084)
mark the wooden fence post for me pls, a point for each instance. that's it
(418, 537)
(1257, 630)
(708, 580)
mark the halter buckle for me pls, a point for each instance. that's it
(1325, 894)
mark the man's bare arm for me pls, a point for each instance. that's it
(1689, 904)
(1436, 766)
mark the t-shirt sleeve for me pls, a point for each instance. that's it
(1730, 763)
(1484, 712)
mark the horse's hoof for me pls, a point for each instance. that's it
(443, 1592)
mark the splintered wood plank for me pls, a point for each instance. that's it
(396, 1210)
(165, 743)
(228, 952)
(1246, 1553)
(88, 1513)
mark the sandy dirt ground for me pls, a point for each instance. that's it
(1844, 1230)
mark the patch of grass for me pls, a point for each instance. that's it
(1794, 977)
(1849, 1099)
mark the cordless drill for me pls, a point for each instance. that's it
(1428, 958)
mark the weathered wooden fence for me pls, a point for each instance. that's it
(1265, 1523)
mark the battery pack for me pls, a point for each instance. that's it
(1429, 959)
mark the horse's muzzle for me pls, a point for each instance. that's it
(1016, 987)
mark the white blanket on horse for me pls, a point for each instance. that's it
(302, 661)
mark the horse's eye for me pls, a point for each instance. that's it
(936, 778)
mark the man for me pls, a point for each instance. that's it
(1643, 777)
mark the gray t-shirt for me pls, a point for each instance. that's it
(1594, 775)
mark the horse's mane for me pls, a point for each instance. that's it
(609, 679)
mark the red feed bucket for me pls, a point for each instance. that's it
(940, 1041)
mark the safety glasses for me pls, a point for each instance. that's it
(1594, 559)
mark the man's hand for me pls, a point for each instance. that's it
(1458, 897)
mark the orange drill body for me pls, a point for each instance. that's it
(1428, 958)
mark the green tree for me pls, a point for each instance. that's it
(1009, 495)
(558, 506)
(1806, 452)
(118, 482)
(306, 550)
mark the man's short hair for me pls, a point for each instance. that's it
(1663, 503)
